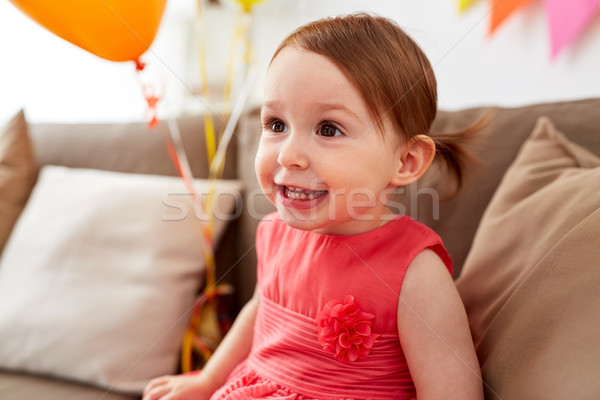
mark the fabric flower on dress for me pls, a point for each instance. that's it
(345, 330)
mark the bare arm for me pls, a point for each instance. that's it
(434, 333)
(234, 348)
(236, 345)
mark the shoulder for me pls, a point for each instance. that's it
(419, 232)
(420, 237)
(426, 286)
(426, 270)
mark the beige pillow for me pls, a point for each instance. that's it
(531, 281)
(18, 172)
(100, 273)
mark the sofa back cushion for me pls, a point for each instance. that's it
(18, 173)
(497, 148)
(126, 147)
(530, 283)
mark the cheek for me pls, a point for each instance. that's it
(260, 168)
(352, 170)
(264, 164)
(365, 169)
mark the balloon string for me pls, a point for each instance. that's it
(206, 215)
(177, 154)
(192, 343)
(209, 126)
(205, 92)
(235, 40)
(150, 93)
(139, 65)
(174, 145)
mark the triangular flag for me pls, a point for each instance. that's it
(501, 9)
(568, 19)
(464, 4)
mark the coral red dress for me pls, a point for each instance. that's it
(326, 324)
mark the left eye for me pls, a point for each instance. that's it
(328, 130)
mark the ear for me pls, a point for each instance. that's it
(416, 157)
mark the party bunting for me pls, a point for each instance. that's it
(502, 9)
(464, 4)
(567, 20)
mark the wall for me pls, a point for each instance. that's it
(56, 81)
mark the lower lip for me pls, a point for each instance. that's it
(298, 204)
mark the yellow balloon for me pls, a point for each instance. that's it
(116, 30)
(464, 4)
(248, 4)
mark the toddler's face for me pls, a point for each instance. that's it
(321, 160)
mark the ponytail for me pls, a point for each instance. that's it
(454, 156)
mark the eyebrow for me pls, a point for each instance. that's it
(271, 104)
(337, 107)
(322, 107)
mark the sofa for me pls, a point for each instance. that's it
(524, 235)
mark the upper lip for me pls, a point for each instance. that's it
(302, 187)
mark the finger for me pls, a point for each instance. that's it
(157, 382)
(156, 393)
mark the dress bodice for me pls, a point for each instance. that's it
(326, 325)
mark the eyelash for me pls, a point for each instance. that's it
(333, 125)
(269, 124)
(271, 121)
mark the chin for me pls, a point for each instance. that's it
(306, 221)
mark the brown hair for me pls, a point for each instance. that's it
(393, 75)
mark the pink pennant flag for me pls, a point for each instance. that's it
(568, 19)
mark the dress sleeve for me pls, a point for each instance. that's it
(423, 237)
(441, 251)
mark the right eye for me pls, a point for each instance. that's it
(276, 125)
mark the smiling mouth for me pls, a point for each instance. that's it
(294, 193)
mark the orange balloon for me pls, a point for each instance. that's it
(116, 30)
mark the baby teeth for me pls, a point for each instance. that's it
(301, 194)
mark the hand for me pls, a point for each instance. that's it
(177, 387)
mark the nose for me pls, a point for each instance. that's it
(293, 152)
